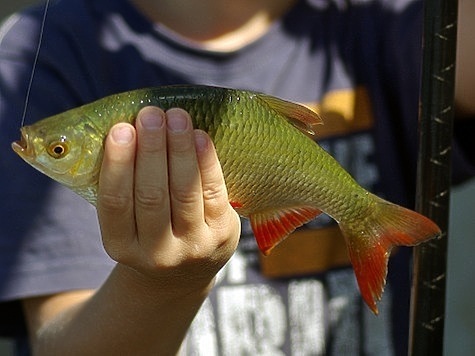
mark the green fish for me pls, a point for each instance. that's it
(276, 175)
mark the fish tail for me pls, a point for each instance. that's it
(371, 239)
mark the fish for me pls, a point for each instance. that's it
(276, 174)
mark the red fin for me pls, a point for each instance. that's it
(272, 227)
(370, 242)
(298, 115)
(235, 204)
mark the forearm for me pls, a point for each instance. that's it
(128, 315)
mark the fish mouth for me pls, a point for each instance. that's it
(21, 147)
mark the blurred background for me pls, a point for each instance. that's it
(460, 309)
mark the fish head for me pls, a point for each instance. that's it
(70, 153)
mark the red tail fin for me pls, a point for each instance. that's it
(370, 242)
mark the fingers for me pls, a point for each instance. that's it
(115, 193)
(186, 196)
(152, 203)
(218, 214)
(162, 199)
(168, 194)
(213, 186)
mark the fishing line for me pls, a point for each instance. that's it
(35, 62)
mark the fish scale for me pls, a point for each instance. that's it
(275, 174)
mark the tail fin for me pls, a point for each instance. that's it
(370, 242)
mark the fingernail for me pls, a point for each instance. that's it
(177, 121)
(201, 141)
(151, 120)
(122, 134)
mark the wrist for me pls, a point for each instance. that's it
(164, 288)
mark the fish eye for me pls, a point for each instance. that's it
(58, 149)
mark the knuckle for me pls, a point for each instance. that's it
(113, 202)
(150, 197)
(116, 252)
(214, 192)
(186, 197)
(227, 227)
(119, 250)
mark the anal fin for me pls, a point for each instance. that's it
(273, 226)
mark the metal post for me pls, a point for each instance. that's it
(434, 169)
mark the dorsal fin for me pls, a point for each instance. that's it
(273, 226)
(298, 115)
